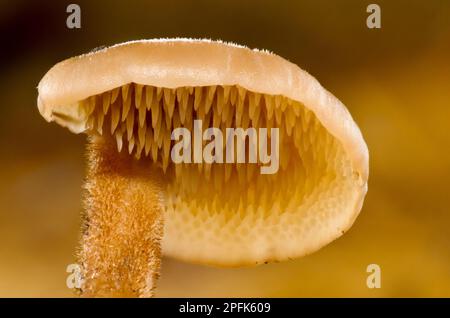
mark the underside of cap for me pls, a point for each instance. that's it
(328, 207)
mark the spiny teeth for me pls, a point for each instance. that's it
(100, 118)
(241, 92)
(90, 122)
(239, 111)
(141, 133)
(278, 114)
(269, 106)
(221, 107)
(226, 110)
(226, 94)
(126, 102)
(90, 105)
(166, 148)
(179, 93)
(159, 93)
(137, 95)
(233, 95)
(169, 98)
(115, 115)
(245, 120)
(157, 128)
(154, 151)
(148, 97)
(125, 90)
(114, 94)
(254, 103)
(198, 97)
(210, 97)
(182, 110)
(255, 117)
(307, 117)
(176, 121)
(142, 114)
(106, 102)
(161, 134)
(119, 140)
(148, 141)
(156, 110)
(283, 104)
(216, 118)
(130, 125)
(277, 100)
(296, 108)
(130, 145)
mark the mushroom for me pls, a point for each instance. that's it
(130, 97)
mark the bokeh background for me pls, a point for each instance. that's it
(395, 81)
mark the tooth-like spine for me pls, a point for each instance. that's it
(114, 94)
(283, 104)
(157, 128)
(126, 102)
(183, 104)
(130, 145)
(198, 97)
(90, 124)
(254, 99)
(130, 125)
(296, 107)
(118, 135)
(154, 151)
(115, 116)
(245, 119)
(277, 100)
(233, 95)
(166, 149)
(161, 134)
(89, 105)
(138, 95)
(216, 117)
(176, 121)
(141, 133)
(148, 140)
(269, 105)
(125, 90)
(148, 96)
(278, 115)
(255, 117)
(242, 92)
(142, 114)
(100, 118)
(226, 94)
(239, 111)
(169, 100)
(106, 98)
(230, 116)
(156, 111)
(210, 98)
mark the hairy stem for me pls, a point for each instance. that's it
(120, 246)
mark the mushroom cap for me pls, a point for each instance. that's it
(174, 63)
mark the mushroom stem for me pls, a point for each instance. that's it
(120, 245)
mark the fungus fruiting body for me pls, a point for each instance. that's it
(131, 97)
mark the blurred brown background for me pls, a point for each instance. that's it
(395, 81)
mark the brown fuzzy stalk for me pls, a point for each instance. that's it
(120, 246)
